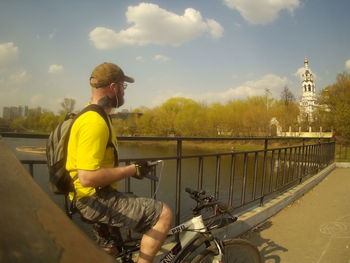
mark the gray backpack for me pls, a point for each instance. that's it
(56, 150)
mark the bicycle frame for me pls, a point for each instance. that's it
(190, 231)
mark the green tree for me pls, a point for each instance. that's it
(191, 120)
(256, 117)
(119, 127)
(48, 121)
(335, 100)
(162, 119)
(17, 125)
(146, 123)
(286, 114)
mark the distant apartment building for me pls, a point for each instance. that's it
(16, 112)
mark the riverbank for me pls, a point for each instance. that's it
(248, 144)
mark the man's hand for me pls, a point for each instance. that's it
(142, 168)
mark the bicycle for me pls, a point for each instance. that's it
(196, 242)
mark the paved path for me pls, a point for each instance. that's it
(314, 229)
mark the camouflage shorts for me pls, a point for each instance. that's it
(115, 209)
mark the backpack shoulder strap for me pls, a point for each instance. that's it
(101, 112)
(95, 108)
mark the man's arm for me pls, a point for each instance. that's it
(105, 176)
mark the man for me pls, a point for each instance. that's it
(91, 161)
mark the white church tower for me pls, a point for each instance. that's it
(308, 101)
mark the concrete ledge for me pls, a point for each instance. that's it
(342, 165)
(33, 229)
(258, 215)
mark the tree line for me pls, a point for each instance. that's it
(238, 117)
(186, 117)
(39, 121)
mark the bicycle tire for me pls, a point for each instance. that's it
(234, 250)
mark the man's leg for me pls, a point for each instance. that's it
(153, 239)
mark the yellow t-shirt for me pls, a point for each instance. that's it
(87, 149)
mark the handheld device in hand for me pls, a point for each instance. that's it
(155, 162)
(149, 175)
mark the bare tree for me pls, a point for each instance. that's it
(287, 96)
(67, 105)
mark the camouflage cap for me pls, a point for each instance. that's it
(107, 73)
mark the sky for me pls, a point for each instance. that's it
(207, 50)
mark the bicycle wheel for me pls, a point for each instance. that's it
(234, 250)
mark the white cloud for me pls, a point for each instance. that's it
(14, 79)
(347, 65)
(8, 54)
(52, 34)
(36, 99)
(140, 59)
(262, 11)
(161, 58)
(299, 73)
(13, 87)
(273, 83)
(19, 78)
(151, 24)
(270, 81)
(54, 68)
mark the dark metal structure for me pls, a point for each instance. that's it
(254, 176)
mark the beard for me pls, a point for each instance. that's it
(114, 102)
(119, 101)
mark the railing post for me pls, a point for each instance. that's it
(303, 160)
(264, 172)
(295, 168)
(217, 177)
(289, 165)
(298, 165)
(200, 174)
(284, 166)
(232, 178)
(255, 174)
(127, 184)
(318, 155)
(271, 170)
(178, 181)
(278, 168)
(244, 179)
(31, 169)
(154, 184)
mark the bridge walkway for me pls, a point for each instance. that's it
(313, 229)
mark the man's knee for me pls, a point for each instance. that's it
(166, 216)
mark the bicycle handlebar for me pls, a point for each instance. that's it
(204, 201)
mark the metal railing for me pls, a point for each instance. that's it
(251, 176)
(342, 152)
